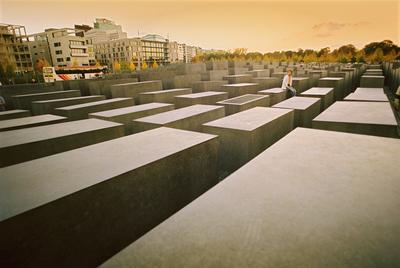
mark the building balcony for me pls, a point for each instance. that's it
(80, 54)
(78, 46)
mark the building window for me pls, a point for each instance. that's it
(58, 52)
(68, 59)
(60, 60)
(58, 44)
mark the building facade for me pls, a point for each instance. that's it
(104, 30)
(62, 48)
(14, 50)
(135, 50)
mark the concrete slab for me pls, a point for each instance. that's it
(103, 86)
(127, 114)
(188, 118)
(276, 94)
(372, 81)
(370, 118)
(208, 97)
(259, 73)
(375, 90)
(336, 83)
(202, 86)
(326, 94)
(30, 121)
(12, 114)
(301, 203)
(238, 78)
(24, 101)
(30, 143)
(48, 106)
(132, 90)
(365, 96)
(237, 70)
(305, 109)
(213, 75)
(69, 201)
(235, 90)
(267, 82)
(301, 84)
(82, 111)
(244, 135)
(165, 96)
(244, 102)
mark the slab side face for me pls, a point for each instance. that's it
(30, 121)
(12, 114)
(62, 203)
(268, 215)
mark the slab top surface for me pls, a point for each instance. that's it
(67, 99)
(30, 184)
(136, 83)
(178, 114)
(318, 91)
(240, 85)
(297, 103)
(90, 104)
(165, 91)
(335, 205)
(35, 134)
(201, 95)
(13, 112)
(367, 96)
(131, 109)
(273, 90)
(331, 78)
(37, 119)
(249, 119)
(243, 99)
(379, 113)
(44, 93)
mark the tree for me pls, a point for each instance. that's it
(132, 67)
(155, 65)
(124, 66)
(117, 67)
(144, 65)
(98, 65)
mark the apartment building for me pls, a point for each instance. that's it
(13, 49)
(104, 30)
(62, 48)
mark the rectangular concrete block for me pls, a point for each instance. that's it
(237, 70)
(305, 109)
(326, 94)
(48, 106)
(82, 111)
(301, 203)
(336, 83)
(165, 96)
(24, 101)
(188, 118)
(78, 208)
(367, 96)
(214, 75)
(202, 86)
(276, 95)
(12, 114)
(346, 82)
(217, 65)
(132, 90)
(184, 81)
(238, 78)
(278, 74)
(267, 82)
(370, 118)
(372, 81)
(244, 102)
(30, 143)
(259, 73)
(301, 84)
(103, 86)
(235, 90)
(127, 114)
(30, 121)
(244, 135)
(208, 97)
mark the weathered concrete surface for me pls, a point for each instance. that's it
(30, 121)
(326, 94)
(244, 135)
(217, 65)
(188, 118)
(24, 101)
(166, 96)
(276, 94)
(244, 102)
(202, 86)
(235, 90)
(259, 73)
(214, 75)
(370, 118)
(372, 81)
(103, 87)
(48, 106)
(127, 114)
(82, 111)
(305, 109)
(208, 97)
(184, 81)
(267, 82)
(12, 114)
(346, 82)
(78, 208)
(301, 84)
(237, 70)
(367, 96)
(132, 90)
(336, 83)
(313, 199)
(30, 143)
(238, 78)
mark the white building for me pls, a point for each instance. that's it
(105, 30)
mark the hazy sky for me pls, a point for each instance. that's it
(257, 25)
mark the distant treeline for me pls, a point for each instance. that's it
(373, 52)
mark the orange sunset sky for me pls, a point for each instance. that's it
(257, 25)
